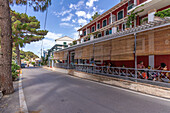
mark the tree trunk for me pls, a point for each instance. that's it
(18, 55)
(6, 48)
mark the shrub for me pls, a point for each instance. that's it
(14, 69)
(163, 13)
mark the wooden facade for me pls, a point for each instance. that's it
(121, 50)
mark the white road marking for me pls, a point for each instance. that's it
(128, 90)
(23, 105)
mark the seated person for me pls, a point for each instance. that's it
(141, 73)
(108, 67)
(163, 75)
(141, 65)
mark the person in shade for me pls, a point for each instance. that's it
(141, 73)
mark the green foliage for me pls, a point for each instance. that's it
(144, 20)
(33, 63)
(38, 5)
(95, 16)
(25, 29)
(163, 13)
(133, 15)
(74, 42)
(24, 55)
(14, 69)
(44, 60)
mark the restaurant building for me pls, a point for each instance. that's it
(108, 38)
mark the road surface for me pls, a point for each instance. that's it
(51, 92)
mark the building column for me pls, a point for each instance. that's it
(52, 63)
(114, 29)
(82, 40)
(151, 49)
(78, 42)
(49, 61)
(86, 31)
(91, 37)
(151, 15)
(96, 25)
(111, 18)
(135, 2)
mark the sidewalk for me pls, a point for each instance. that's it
(10, 103)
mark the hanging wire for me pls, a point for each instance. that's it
(26, 8)
(45, 22)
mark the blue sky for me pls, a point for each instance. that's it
(64, 18)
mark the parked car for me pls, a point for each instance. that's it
(22, 65)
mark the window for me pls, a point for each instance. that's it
(104, 23)
(65, 43)
(110, 31)
(120, 15)
(84, 33)
(98, 26)
(110, 20)
(130, 6)
(93, 29)
(107, 32)
(123, 27)
(99, 35)
(117, 28)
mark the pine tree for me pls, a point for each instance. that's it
(24, 30)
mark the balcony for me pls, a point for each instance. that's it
(149, 5)
(123, 20)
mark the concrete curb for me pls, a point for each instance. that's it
(135, 86)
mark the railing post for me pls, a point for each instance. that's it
(102, 69)
(126, 72)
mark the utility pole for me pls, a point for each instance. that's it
(135, 59)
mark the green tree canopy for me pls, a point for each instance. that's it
(38, 5)
(95, 16)
(25, 29)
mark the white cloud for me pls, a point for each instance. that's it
(83, 14)
(82, 21)
(61, 2)
(75, 35)
(74, 20)
(76, 6)
(66, 25)
(76, 28)
(90, 3)
(94, 8)
(101, 11)
(68, 18)
(80, 13)
(47, 44)
(53, 36)
(62, 13)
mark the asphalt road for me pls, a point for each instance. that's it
(50, 92)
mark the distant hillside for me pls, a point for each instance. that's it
(24, 55)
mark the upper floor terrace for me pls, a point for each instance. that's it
(114, 20)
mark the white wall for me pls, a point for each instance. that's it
(62, 42)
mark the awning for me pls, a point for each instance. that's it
(162, 42)
(78, 53)
(123, 49)
(65, 55)
(87, 52)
